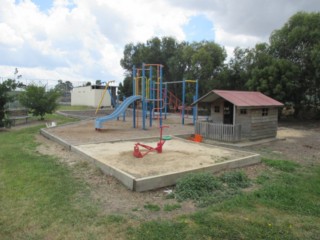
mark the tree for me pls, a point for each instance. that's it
(298, 42)
(5, 88)
(180, 60)
(63, 87)
(206, 59)
(39, 101)
(125, 89)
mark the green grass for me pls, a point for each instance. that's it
(152, 207)
(41, 199)
(235, 179)
(171, 207)
(287, 206)
(205, 189)
(195, 186)
(283, 165)
(56, 118)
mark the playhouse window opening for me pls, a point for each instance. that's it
(243, 111)
(265, 111)
(216, 109)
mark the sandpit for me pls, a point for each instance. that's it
(179, 157)
(112, 151)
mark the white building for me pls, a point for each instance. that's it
(91, 96)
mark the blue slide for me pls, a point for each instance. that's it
(117, 112)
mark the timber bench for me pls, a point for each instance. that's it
(18, 114)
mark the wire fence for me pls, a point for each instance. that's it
(64, 86)
(48, 83)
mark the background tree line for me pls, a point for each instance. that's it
(286, 68)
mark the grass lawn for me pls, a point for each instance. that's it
(41, 199)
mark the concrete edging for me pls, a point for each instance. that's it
(125, 178)
(153, 182)
(158, 181)
(54, 138)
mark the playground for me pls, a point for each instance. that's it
(143, 145)
(112, 151)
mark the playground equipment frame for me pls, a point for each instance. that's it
(152, 94)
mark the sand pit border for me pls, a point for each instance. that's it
(155, 181)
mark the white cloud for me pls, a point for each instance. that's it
(84, 39)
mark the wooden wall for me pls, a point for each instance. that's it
(263, 126)
(217, 117)
(253, 125)
(245, 121)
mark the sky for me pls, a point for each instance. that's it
(83, 40)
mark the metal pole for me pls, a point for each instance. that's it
(195, 115)
(161, 101)
(183, 99)
(124, 113)
(151, 97)
(143, 97)
(165, 100)
(134, 93)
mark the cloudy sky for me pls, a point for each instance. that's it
(83, 40)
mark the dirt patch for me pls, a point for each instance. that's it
(84, 132)
(299, 142)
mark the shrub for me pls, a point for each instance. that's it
(236, 179)
(196, 186)
(152, 207)
(39, 101)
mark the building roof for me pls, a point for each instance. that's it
(240, 98)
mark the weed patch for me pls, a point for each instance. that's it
(206, 189)
(152, 207)
(171, 207)
(235, 179)
(196, 186)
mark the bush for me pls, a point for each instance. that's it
(38, 100)
(196, 186)
(5, 88)
(236, 179)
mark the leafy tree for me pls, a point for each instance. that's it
(206, 59)
(38, 100)
(5, 88)
(125, 89)
(180, 60)
(288, 69)
(298, 42)
(63, 87)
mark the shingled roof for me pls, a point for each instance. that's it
(240, 98)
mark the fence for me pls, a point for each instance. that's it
(221, 132)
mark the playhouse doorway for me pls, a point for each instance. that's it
(228, 113)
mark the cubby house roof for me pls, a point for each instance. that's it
(240, 98)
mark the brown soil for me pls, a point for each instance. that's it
(300, 143)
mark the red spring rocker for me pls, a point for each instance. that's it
(138, 154)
